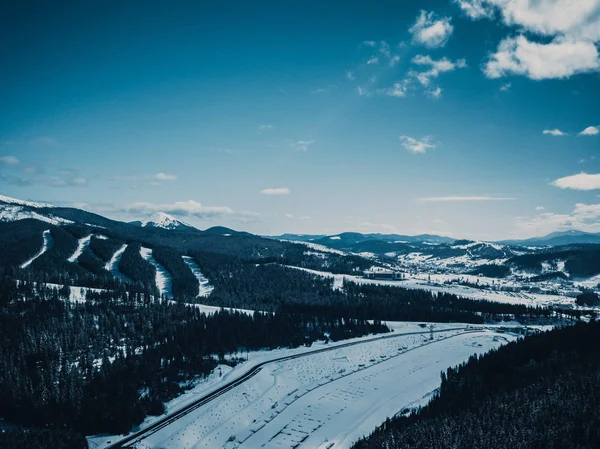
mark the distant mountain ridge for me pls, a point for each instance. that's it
(561, 238)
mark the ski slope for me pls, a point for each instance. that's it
(112, 265)
(163, 278)
(48, 242)
(82, 244)
(204, 288)
(328, 399)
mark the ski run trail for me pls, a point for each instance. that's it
(48, 242)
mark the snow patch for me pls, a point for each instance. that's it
(48, 241)
(82, 244)
(204, 289)
(163, 278)
(112, 265)
(9, 200)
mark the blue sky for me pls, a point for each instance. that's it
(386, 116)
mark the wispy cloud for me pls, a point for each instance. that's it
(431, 32)
(440, 199)
(590, 131)
(164, 177)
(436, 67)
(505, 87)
(538, 208)
(584, 217)
(417, 146)
(398, 90)
(263, 128)
(276, 191)
(9, 160)
(47, 140)
(179, 208)
(554, 132)
(581, 181)
(434, 93)
(301, 145)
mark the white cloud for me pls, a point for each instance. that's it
(441, 199)
(79, 181)
(590, 131)
(302, 145)
(394, 60)
(435, 67)
(429, 32)
(573, 28)
(554, 132)
(581, 181)
(179, 208)
(539, 208)
(475, 9)
(397, 90)
(9, 160)
(373, 60)
(434, 93)
(505, 87)
(293, 217)
(164, 177)
(262, 128)
(585, 217)
(350, 75)
(277, 191)
(417, 146)
(560, 58)
(370, 43)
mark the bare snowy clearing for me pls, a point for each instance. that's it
(48, 241)
(163, 278)
(327, 398)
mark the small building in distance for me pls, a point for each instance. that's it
(384, 274)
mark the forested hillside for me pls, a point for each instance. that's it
(539, 392)
(102, 366)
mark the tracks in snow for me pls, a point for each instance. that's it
(48, 242)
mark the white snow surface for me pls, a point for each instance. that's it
(204, 288)
(82, 244)
(163, 278)
(9, 200)
(164, 221)
(48, 242)
(328, 399)
(14, 213)
(112, 265)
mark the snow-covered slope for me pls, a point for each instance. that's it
(204, 289)
(163, 277)
(164, 221)
(112, 266)
(14, 201)
(11, 212)
(82, 244)
(45, 246)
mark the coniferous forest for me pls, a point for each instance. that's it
(70, 369)
(542, 391)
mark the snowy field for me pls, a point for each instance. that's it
(421, 282)
(329, 398)
(163, 278)
(48, 241)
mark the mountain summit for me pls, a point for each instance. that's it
(165, 221)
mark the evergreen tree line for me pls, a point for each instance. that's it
(542, 391)
(103, 365)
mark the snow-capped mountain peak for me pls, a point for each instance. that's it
(164, 221)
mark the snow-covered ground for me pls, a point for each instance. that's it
(48, 241)
(163, 278)
(330, 398)
(112, 266)
(82, 244)
(422, 282)
(204, 289)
